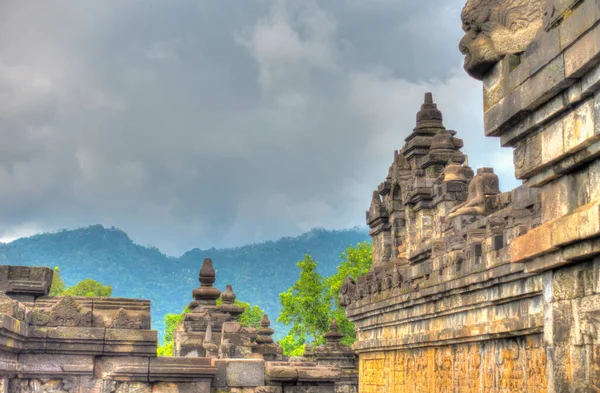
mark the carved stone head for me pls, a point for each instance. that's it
(496, 28)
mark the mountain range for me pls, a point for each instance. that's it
(258, 272)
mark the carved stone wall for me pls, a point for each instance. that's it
(104, 345)
(495, 366)
(488, 291)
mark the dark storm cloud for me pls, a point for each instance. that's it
(215, 123)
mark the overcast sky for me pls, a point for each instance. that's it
(220, 122)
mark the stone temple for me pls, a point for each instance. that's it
(472, 290)
(477, 290)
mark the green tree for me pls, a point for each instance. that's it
(89, 288)
(310, 304)
(171, 323)
(58, 285)
(250, 318)
(306, 305)
(292, 345)
(356, 261)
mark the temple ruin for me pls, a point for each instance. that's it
(472, 290)
(477, 290)
(105, 345)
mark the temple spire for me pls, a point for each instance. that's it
(429, 116)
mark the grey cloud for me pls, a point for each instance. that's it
(205, 123)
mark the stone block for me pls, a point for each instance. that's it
(309, 389)
(51, 365)
(590, 82)
(556, 199)
(589, 220)
(544, 85)
(239, 372)
(565, 230)
(25, 280)
(543, 49)
(323, 374)
(580, 19)
(122, 368)
(75, 340)
(182, 387)
(562, 320)
(281, 373)
(268, 389)
(583, 55)
(594, 179)
(130, 342)
(121, 313)
(552, 142)
(178, 369)
(535, 242)
(579, 127)
(496, 117)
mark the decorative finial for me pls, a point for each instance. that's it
(265, 322)
(429, 116)
(228, 296)
(228, 305)
(207, 273)
(333, 335)
(428, 98)
(205, 294)
(265, 332)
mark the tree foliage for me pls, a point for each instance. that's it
(58, 285)
(87, 287)
(251, 317)
(310, 304)
(305, 304)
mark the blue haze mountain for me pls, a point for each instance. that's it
(257, 272)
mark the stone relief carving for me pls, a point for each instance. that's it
(64, 313)
(124, 320)
(14, 309)
(496, 28)
(37, 385)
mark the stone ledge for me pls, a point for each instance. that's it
(478, 301)
(46, 365)
(176, 369)
(583, 223)
(470, 283)
(13, 334)
(520, 326)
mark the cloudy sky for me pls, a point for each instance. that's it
(200, 123)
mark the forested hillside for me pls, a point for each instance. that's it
(257, 272)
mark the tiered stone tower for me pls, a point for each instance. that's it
(474, 290)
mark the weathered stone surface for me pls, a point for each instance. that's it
(176, 369)
(239, 372)
(494, 30)
(25, 283)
